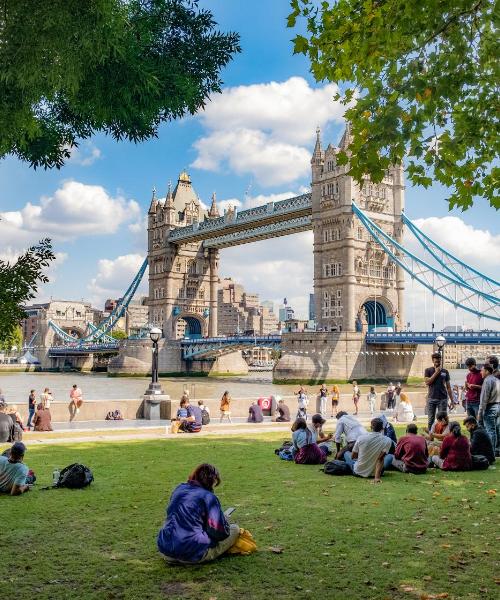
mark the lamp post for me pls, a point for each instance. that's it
(154, 394)
(440, 341)
(155, 335)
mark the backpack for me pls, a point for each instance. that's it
(336, 467)
(74, 476)
(205, 417)
(479, 462)
(285, 451)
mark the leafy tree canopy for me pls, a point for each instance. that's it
(119, 334)
(19, 283)
(13, 340)
(70, 68)
(425, 79)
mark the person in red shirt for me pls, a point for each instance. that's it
(411, 454)
(473, 384)
(455, 451)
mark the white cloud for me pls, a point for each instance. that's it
(85, 155)
(74, 210)
(114, 276)
(265, 129)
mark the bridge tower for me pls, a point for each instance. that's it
(356, 287)
(182, 278)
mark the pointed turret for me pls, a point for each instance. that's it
(169, 206)
(213, 213)
(169, 200)
(154, 202)
(346, 139)
(318, 158)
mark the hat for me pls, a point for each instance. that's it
(318, 419)
(17, 449)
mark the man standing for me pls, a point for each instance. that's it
(13, 472)
(473, 384)
(351, 428)
(370, 455)
(493, 361)
(411, 454)
(480, 442)
(76, 397)
(489, 406)
(31, 407)
(437, 380)
(193, 422)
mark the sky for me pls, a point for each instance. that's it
(252, 144)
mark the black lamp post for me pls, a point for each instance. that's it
(440, 342)
(154, 387)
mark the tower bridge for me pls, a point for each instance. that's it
(360, 262)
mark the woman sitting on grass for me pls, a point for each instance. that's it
(196, 530)
(455, 451)
(305, 449)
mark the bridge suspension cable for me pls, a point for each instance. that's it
(440, 282)
(457, 268)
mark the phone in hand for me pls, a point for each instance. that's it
(229, 511)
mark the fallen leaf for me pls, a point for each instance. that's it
(276, 549)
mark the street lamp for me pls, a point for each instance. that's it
(155, 335)
(154, 394)
(440, 341)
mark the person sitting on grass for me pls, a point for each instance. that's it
(389, 431)
(455, 452)
(196, 530)
(349, 428)
(411, 454)
(370, 455)
(193, 421)
(305, 450)
(13, 471)
(480, 441)
(255, 413)
(283, 412)
(323, 439)
(404, 410)
(439, 430)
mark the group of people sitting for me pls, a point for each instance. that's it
(370, 453)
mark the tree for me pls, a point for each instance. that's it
(119, 334)
(421, 82)
(19, 283)
(13, 340)
(70, 68)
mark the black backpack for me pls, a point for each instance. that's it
(205, 417)
(336, 467)
(74, 477)
(479, 462)
(286, 446)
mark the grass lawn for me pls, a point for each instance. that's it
(432, 536)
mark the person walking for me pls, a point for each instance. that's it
(323, 393)
(31, 407)
(489, 406)
(372, 400)
(225, 407)
(473, 384)
(356, 393)
(335, 399)
(437, 380)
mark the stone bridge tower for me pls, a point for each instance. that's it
(182, 279)
(356, 286)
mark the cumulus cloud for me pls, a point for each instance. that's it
(265, 129)
(75, 209)
(114, 276)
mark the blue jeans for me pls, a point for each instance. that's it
(31, 414)
(491, 420)
(434, 406)
(352, 461)
(472, 410)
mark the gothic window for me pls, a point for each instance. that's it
(336, 234)
(201, 294)
(382, 192)
(336, 188)
(191, 292)
(375, 268)
(360, 233)
(330, 189)
(178, 266)
(192, 267)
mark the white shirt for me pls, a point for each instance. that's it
(369, 446)
(350, 427)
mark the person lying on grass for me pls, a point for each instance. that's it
(13, 472)
(196, 530)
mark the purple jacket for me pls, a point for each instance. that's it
(195, 522)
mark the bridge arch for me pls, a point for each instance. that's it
(190, 326)
(375, 311)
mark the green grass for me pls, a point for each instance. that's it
(410, 537)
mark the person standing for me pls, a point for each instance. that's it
(390, 395)
(473, 384)
(493, 361)
(356, 393)
(335, 399)
(46, 398)
(76, 397)
(489, 406)
(437, 380)
(225, 406)
(323, 393)
(372, 399)
(302, 403)
(31, 407)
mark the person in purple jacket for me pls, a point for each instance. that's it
(196, 530)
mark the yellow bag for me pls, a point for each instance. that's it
(174, 426)
(245, 544)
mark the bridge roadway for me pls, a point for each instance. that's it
(269, 220)
(428, 337)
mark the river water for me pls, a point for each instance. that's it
(97, 386)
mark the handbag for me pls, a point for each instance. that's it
(244, 544)
(174, 426)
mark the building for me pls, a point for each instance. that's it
(356, 286)
(286, 313)
(295, 325)
(455, 355)
(312, 308)
(240, 311)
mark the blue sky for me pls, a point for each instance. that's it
(261, 153)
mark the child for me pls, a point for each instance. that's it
(372, 399)
(302, 403)
(182, 413)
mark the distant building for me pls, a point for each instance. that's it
(312, 311)
(295, 325)
(286, 313)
